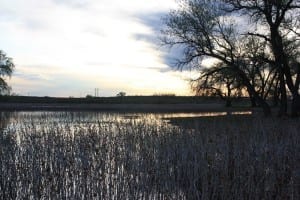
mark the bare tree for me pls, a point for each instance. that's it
(280, 20)
(219, 81)
(203, 30)
(259, 67)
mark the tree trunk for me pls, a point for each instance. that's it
(275, 99)
(296, 97)
(285, 71)
(276, 94)
(253, 102)
(283, 97)
(295, 108)
(265, 106)
(281, 58)
(228, 99)
(260, 101)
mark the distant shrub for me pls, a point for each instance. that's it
(89, 96)
(121, 94)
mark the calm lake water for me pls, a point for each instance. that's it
(15, 120)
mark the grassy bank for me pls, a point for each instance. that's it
(115, 100)
(122, 104)
(74, 156)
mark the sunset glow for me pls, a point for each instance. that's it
(70, 47)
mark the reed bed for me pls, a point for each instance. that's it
(105, 156)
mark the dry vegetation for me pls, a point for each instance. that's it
(105, 156)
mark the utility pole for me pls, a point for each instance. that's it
(96, 92)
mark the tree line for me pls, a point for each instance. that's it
(255, 44)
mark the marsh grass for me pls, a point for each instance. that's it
(80, 156)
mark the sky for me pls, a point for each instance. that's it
(70, 47)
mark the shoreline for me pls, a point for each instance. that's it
(205, 107)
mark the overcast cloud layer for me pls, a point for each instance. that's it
(70, 47)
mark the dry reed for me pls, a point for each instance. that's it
(105, 156)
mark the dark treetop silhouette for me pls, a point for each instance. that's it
(208, 29)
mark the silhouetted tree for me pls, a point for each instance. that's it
(121, 94)
(259, 67)
(202, 30)
(280, 20)
(222, 81)
(6, 69)
(219, 81)
(205, 28)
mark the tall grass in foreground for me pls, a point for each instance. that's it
(218, 158)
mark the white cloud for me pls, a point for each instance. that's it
(89, 42)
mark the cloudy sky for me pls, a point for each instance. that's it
(69, 47)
